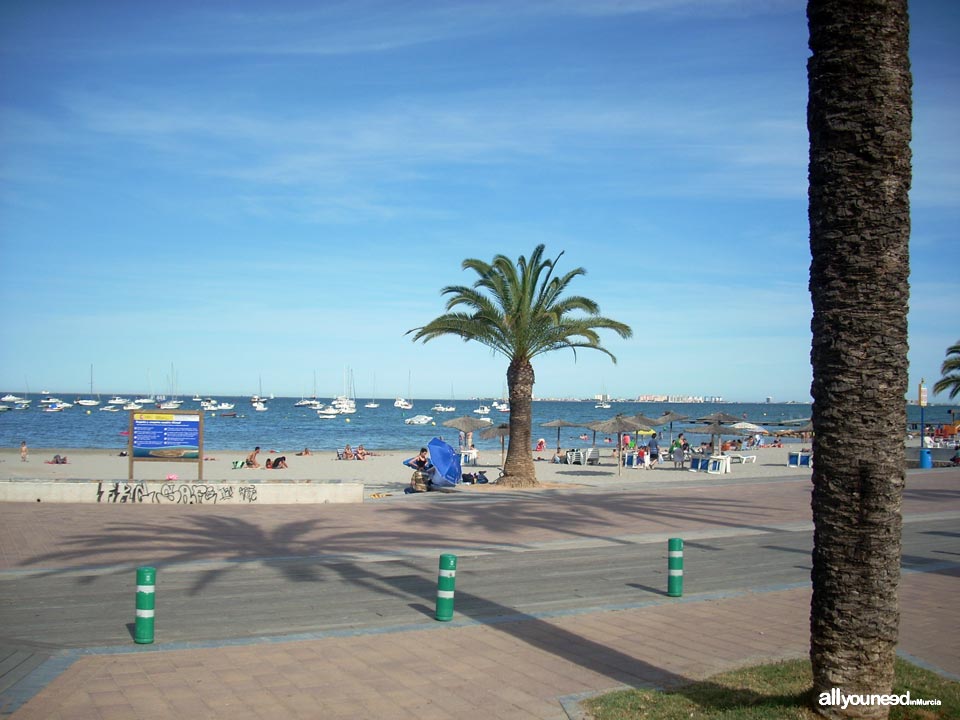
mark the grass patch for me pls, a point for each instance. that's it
(778, 691)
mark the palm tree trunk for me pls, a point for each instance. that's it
(518, 469)
(858, 117)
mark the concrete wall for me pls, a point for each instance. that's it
(182, 493)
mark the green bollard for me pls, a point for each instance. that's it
(143, 626)
(445, 584)
(675, 567)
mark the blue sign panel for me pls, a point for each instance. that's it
(166, 435)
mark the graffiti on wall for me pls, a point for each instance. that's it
(175, 493)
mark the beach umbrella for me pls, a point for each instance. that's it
(559, 424)
(466, 424)
(618, 424)
(669, 416)
(501, 431)
(446, 461)
(750, 428)
(648, 421)
(715, 429)
(719, 417)
(802, 430)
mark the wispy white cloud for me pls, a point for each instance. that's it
(370, 26)
(409, 139)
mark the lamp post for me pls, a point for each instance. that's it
(922, 402)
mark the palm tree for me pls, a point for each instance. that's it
(519, 310)
(951, 373)
(858, 117)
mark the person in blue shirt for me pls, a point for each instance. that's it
(654, 448)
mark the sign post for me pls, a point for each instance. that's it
(922, 402)
(926, 458)
(166, 436)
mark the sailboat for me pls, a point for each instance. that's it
(403, 403)
(89, 401)
(440, 407)
(373, 401)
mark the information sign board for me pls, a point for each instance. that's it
(167, 436)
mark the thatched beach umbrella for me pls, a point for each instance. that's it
(670, 417)
(618, 424)
(502, 431)
(801, 430)
(715, 429)
(719, 417)
(560, 424)
(466, 423)
(648, 421)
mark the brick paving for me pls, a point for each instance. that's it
(507, 670)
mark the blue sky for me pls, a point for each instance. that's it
(253, 192)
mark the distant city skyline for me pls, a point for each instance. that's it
(263, 194)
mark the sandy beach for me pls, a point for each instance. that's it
(383, 474)
(380, 473)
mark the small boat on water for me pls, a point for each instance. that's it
(418, 420)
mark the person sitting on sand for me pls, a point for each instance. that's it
(361, 453)
(280, 463)
(420, 461)
(305, 451)
(269, 464)
(252, 458)
(349, 454)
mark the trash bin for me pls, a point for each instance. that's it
(926, 458)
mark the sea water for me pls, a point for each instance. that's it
(288, 428)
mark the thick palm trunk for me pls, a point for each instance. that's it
(519, 470)
(859, 118)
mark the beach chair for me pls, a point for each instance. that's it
(591, 456)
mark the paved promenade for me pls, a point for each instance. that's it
(510, 666)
